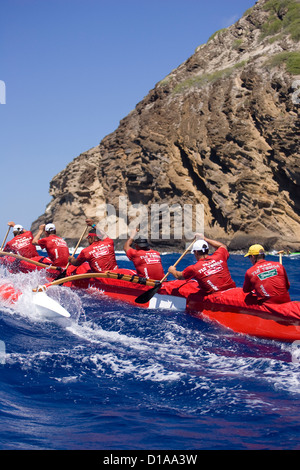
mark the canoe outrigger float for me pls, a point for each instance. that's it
(231, 309)
(46, 306)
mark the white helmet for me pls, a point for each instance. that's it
(17, 228)
(200, 245)
(50, 228)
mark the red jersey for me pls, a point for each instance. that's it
(212, 273)
(57, 249)
(100, 255)
(147, 263)
(269, 281)
(22, 245)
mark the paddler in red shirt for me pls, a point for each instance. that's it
(56, 247)
(266, 280)
(147, 261)
(211, 271)
(21, 244)
(100, 254)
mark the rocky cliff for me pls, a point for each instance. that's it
(220, 132)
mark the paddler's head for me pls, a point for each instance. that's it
(92, 237)
(50, 229)
(141, 244)
(255, 253)
(200, 249)
(18, 229)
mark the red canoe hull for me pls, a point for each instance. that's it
(231, 309)
(255, 325)
(9, 294)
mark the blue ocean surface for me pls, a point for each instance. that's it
(120, 377)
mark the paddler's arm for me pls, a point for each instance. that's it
(101, 232)
(7, 247)
(213, 243)
(79, 260)
(247, 286)
(128, 243)
(12, 224)
(177, 274)
(74, 261)
(36, 238)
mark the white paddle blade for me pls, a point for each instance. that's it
(49, 307)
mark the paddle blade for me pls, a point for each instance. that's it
(146, 296)
(49, 307)
(62, 275)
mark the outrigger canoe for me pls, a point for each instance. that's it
(231, 309)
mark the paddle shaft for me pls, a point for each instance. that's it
(80, 240)
(5, 237)
(280, 256)
(32, 261)
(178, 261)
(76, 247)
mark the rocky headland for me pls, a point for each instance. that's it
(221, 132)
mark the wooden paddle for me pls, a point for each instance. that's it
(5, 237)
(146, 296)
(63, 273)
(32, 261)
(280, 256)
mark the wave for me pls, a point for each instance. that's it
(120, 368)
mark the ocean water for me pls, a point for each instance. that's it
(120, 378)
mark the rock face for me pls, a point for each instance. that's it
(221, 131)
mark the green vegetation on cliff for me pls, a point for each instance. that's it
(290, 59)
(207, 78)
(284, 18)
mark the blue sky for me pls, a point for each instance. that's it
(73, 69)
